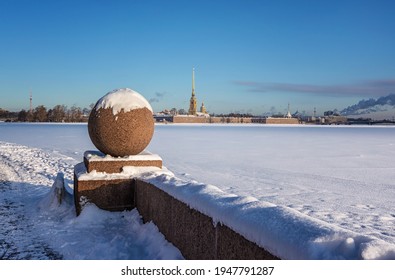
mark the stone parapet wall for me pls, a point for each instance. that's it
(194, 233)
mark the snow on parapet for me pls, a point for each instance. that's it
(123, 98)
(283, 231)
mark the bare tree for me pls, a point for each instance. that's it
(40, 114)
(57, 114)
(22, 116)
(76, 114)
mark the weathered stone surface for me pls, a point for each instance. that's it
(108, 194)
(95, 160)
(121, 123)
(195, 234)
(121, 135)
(233, 246)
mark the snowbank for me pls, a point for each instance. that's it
(98, 234)
(42, 218)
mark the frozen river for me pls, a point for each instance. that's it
(343, 175)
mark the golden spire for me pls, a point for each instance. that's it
(193, 81)
(192, 102)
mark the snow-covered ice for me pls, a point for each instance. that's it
(338, 174)
(322, 192)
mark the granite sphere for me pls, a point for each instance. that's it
(121, 123)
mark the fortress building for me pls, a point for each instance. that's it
(194, 116)
(287, 119)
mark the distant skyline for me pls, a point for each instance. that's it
(249, 56)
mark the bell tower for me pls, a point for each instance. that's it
(203, 109)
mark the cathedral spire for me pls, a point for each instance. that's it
(193, 81)
(192, 102)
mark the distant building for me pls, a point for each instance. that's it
(288, 115)
(285, 120)
(335, 119)
(203, 109)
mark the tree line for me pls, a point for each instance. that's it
(59, 113)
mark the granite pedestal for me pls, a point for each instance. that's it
(108, 181)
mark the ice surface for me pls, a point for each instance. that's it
(123, 99)
(338, 174)
(327, 191)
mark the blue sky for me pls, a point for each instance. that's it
(249, 56)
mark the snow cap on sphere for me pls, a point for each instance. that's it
(124, 99)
